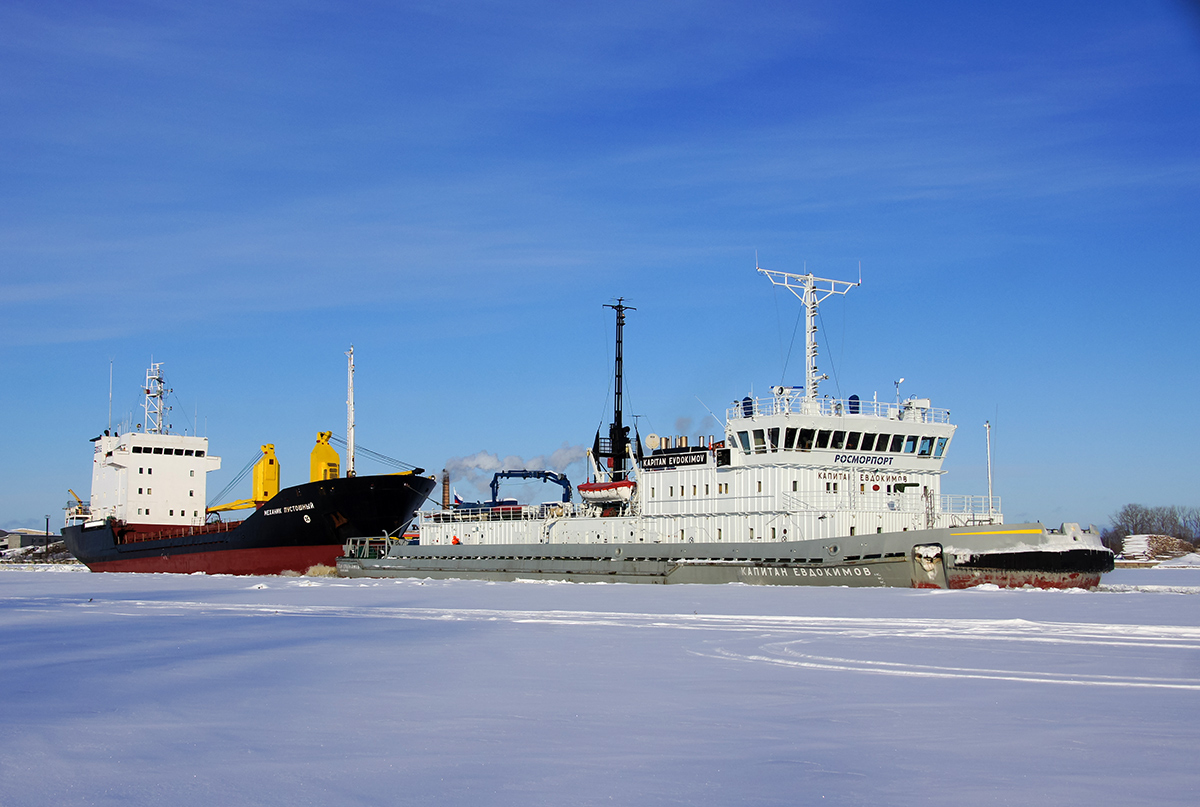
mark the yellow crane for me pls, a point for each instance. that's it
(266, 483)
(324, 463)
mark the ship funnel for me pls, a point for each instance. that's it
(445, 489)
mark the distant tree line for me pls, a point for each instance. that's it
(1137, 519)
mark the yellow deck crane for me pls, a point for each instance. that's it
(324, 463)
(266, 483)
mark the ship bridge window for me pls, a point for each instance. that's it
(179, 452)
(137, 449)
(789, 438)
(823, 438)
(188, 453)
(941, 447)
(157, 449)
(199, 453)
(760, 442)
(773, 439)
(744, 439)
(910, 444)
(852, 440)
(868, 442)
(897, 443)
(881, 442)
(839, 439)
(806, 439)
(926, 447)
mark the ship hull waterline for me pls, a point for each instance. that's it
(299, 528)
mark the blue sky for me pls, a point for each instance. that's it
(457, 189)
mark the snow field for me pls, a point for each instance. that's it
(167, 689)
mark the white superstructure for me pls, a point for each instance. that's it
(150, 477)
(791, 466)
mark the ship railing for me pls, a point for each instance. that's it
(519, 512)
(367, 547)
(77, 512)
(969, 505)
(212, 527)
(972, 507)
(910, 411)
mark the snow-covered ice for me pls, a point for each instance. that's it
(181, 690)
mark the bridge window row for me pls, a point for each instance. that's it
(160, 450)
(761, 441)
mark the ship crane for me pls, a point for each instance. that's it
(547, 476)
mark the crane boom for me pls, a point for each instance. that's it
(547, 476)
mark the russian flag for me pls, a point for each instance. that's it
(457, 499)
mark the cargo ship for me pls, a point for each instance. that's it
(799, 489)
(147, 511)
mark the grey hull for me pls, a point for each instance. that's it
(911, 559)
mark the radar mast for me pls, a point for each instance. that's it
(156, 391)
(811, 291)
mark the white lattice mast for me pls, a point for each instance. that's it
(350, 413)
(155, 407)
(811, 291)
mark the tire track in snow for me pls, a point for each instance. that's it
(787, 657)
(1005, 633)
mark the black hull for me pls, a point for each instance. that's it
(300, 527)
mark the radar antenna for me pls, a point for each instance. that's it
(811, 291)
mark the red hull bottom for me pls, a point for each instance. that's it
(961, 578)
(273, 560)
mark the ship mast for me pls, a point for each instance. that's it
(618, 432)
(350, 413)
(987, 425)
(156, 392)
(811, 291)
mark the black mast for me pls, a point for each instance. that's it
(618, 433)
